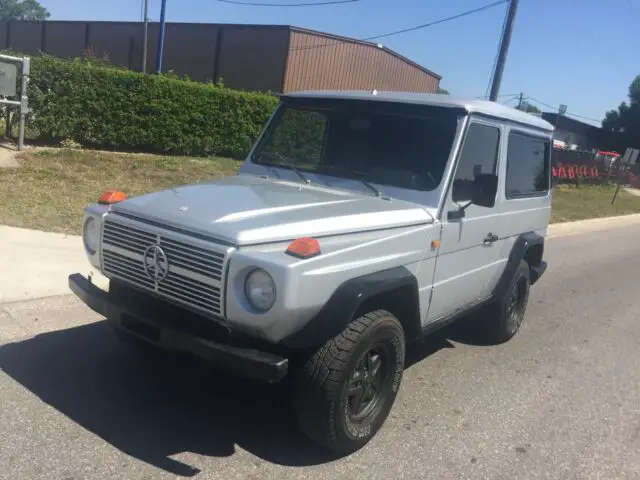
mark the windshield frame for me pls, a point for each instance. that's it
(403, 109)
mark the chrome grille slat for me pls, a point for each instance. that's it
(195, 275)
(170, 282)
(114, 266)
(195, 255)
(214, 273)
(192, 258)
(127, 244)
(194, 249)
(118, 261)
(125, 275)
(188, 299)
(117, 258)
(133, 233)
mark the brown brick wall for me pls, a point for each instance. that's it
(322, 63)
(250, 57)
(253, 58)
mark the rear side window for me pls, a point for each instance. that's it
(527, 166)
(479, 156)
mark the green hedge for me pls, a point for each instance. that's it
(105, 107)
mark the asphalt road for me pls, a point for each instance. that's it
(561, 400)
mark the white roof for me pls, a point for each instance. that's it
(483, 107)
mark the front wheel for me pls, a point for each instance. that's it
(345, 391)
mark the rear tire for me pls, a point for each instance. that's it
(502, 319)
(345, 391)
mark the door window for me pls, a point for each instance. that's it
(479, 155)
(528, 161)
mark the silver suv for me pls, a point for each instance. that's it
(359, 222)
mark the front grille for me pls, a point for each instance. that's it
(194, 274)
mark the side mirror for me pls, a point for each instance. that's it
(485, 189)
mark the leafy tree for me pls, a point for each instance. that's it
(14, 10)
(443, 91)
(622, 126)
(527, 107)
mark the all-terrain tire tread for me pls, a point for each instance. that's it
(494, 316)
(318, 382)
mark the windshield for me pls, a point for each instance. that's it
(405, 146)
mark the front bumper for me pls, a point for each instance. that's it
(154, 327)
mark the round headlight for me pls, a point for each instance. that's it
(260, 290)
(91, 235)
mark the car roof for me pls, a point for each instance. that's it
(481, 107)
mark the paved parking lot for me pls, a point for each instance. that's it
(559, 401)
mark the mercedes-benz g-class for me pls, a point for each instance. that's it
(358, 223)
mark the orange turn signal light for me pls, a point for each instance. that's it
(304, 248)
(111, 196)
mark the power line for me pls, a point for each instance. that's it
(443, 20)
(542, 103)
(410, 29)
(483, 97)
(310, 4)
(583, 117)
(566, 113)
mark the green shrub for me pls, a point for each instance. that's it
(105, 107)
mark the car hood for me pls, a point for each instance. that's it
(246, 209)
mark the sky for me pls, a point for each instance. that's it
(562, 51)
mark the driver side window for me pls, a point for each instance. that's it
(479, 155)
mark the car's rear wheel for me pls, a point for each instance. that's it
(345, 391)
(503, 318)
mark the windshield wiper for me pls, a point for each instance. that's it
(289, 163)
(370, 186)
(351, 175)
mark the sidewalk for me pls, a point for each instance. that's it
(592, 225)
(36, 264)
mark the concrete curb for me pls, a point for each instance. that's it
(37, 264)
(592, 225)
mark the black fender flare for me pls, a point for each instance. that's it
(523, 244)
(348, 299)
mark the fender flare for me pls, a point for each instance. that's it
(350, 296)
(519, 251)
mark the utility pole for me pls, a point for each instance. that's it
(520, 102)
(145, 36)
(504, 49)
(163, 11)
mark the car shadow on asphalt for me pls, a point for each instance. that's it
(153, 406)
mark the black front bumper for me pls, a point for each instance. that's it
(135, 319)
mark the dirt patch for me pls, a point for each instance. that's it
(8, 157)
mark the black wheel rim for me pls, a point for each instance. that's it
(366, 384)
(516, 304)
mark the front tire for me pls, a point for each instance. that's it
(345, 391)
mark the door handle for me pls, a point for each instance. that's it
(490, 238)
